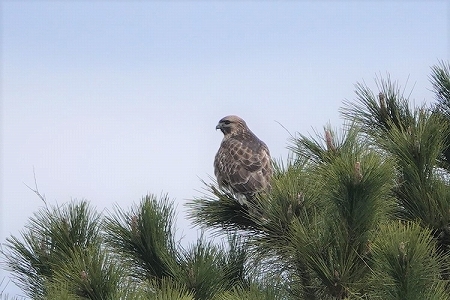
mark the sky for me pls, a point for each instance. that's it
(107, 101)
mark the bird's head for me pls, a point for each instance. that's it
(231, 125)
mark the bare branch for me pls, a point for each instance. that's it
(36, 189)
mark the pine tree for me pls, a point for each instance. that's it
(361, 214)
(71, 252)
(357, 213)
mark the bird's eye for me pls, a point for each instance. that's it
(227, 122)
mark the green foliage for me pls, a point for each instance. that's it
(58, 290)
(91, 274)
(354, 186)
(320, 214)
(253, 293)
(316, 225)
(360, 214)
(418, 139)
(203, 269)
(49, 240)
(144, 237)
(423, 191)
(226, 214)
(377, 117)
(208, 269)
(440, 79)
(144, 242)
(168, 289)
(405, 264)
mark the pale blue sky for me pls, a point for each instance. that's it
(108, 101)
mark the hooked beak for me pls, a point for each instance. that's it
(219, 126)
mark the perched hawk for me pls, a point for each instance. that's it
(242, 163)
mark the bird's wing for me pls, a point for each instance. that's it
(244, 164)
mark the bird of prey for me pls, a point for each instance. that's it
(242, 163)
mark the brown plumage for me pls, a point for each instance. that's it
(242, 163)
